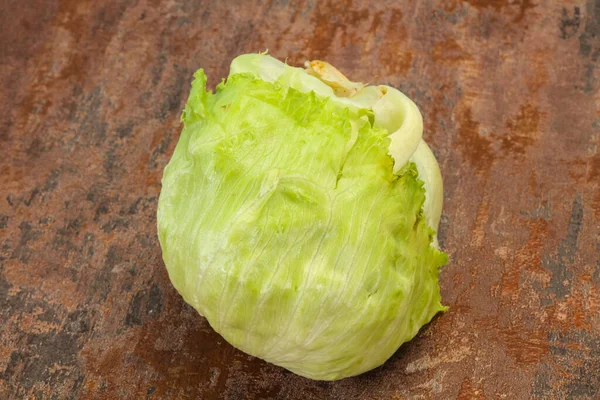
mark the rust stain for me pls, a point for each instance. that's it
(517, 9)
(526, 347)
(596, 203)
(475, 147)
(580, 318)
(376, 23)
(330, 19)
(527, 258)
(522, 130)
(510, 281)
(578, 169)
(299, 6)
(593, 296)
(481, 222)
(384, 35)
(593, 175)
(450, 52)
(533, 183)
(451, 5)
(538, 74)
(395, 55)
(576, 311)
(533, 250)
(73, 17)
(193, 348)
(468, 391)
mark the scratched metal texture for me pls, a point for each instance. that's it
(90, 98)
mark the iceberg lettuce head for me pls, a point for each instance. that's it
(298, 214)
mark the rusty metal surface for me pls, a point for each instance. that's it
(91, 94)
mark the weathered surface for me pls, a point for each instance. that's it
(91, 97)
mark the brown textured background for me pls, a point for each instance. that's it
(90, 98)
